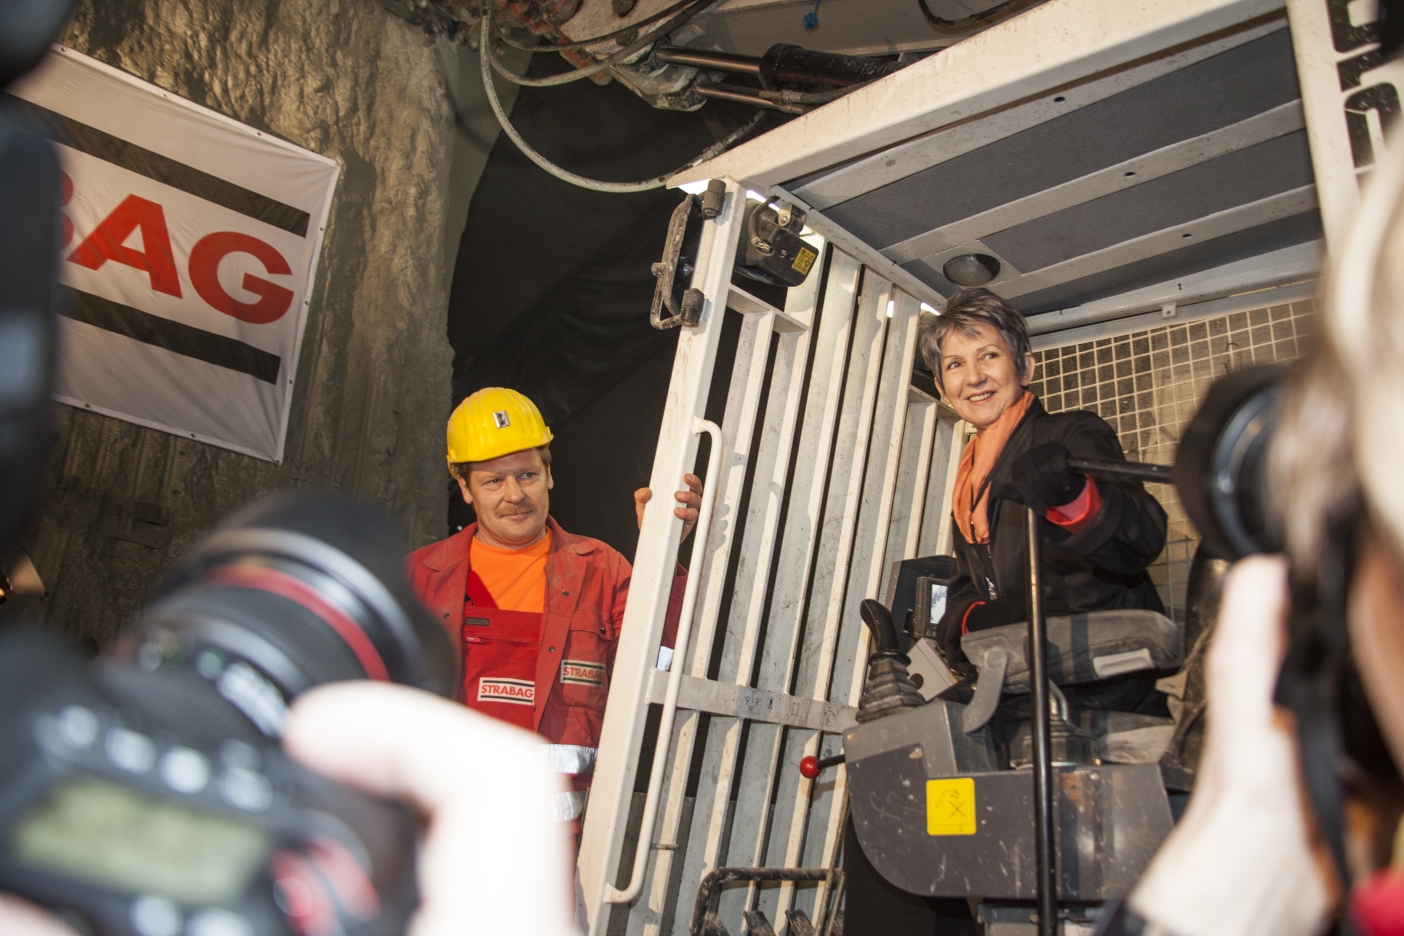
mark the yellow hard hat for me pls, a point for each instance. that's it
(494, 422)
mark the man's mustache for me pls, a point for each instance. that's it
(508, 511)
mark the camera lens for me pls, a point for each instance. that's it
(1221, 465)
(294, 592)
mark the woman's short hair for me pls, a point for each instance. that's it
(967, 310)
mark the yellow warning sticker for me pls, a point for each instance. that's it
(804, 260)
(950, 806)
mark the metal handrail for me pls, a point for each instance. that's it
(675, 672)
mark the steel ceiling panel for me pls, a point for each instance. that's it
(1158, 113)
(1241, 245)
(1278, 165)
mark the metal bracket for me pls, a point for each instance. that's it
(674, 272)
(988, 689)
(706, 923)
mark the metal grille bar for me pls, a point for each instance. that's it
(830, 466)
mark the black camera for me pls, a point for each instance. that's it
(147, 794)
(1221, 471)
(1221, 466)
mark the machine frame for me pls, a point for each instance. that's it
(833, 463)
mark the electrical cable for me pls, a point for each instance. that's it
(641, 43)
(568, 46)
(485, 58)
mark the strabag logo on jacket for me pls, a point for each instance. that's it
(515, 691)
(582, 672)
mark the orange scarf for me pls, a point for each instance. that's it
(975, 465)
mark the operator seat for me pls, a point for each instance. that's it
(1083, 649)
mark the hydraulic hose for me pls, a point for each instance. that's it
(811, 97)
(746, 96)
(709, 61)
(485, 57)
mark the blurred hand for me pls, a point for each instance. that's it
(493, 837)
(690, 503)
(1245, 859)
(495, 859)
(19, 918)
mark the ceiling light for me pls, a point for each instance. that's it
(695, 188)
(927, 307)
(891, 306)
(971, 269)
(754, 195)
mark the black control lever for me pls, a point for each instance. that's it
(1117, 470)
(879, 621)
(889, 686)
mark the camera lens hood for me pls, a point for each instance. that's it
(342, 561)
(1221, 464)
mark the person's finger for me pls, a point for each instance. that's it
(495, 858)
(641, 498)
(1246, 650)
(1243, 859)
(21, 918)
(690, 502)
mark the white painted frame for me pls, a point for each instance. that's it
(853, 468)
(842, 483)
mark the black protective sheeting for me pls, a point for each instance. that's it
(552, 287)
(1194, 258)
(1158, 113)
(1229, 181)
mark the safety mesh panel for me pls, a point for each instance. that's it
(1148, 385)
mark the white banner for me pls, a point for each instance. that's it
(189, 247)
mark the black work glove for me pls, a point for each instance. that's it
(1040, 478)
(976, 616)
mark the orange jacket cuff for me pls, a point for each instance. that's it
(1077, 514)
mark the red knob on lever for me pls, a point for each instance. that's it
(811, 766)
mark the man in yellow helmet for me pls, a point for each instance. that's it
(538, 610)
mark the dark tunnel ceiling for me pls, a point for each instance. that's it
(1265, 187)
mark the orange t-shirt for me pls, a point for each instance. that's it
(516, 578)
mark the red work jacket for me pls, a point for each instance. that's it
(587, 584)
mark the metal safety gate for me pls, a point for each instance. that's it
(827, 465)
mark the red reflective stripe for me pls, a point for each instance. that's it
(1076, 514)
(294, 589)
(965, 618)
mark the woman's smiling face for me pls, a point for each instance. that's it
(979, 375)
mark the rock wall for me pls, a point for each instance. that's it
(346, 79)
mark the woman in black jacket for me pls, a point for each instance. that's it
(1099, 537)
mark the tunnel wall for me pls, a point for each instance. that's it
(346, 79)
